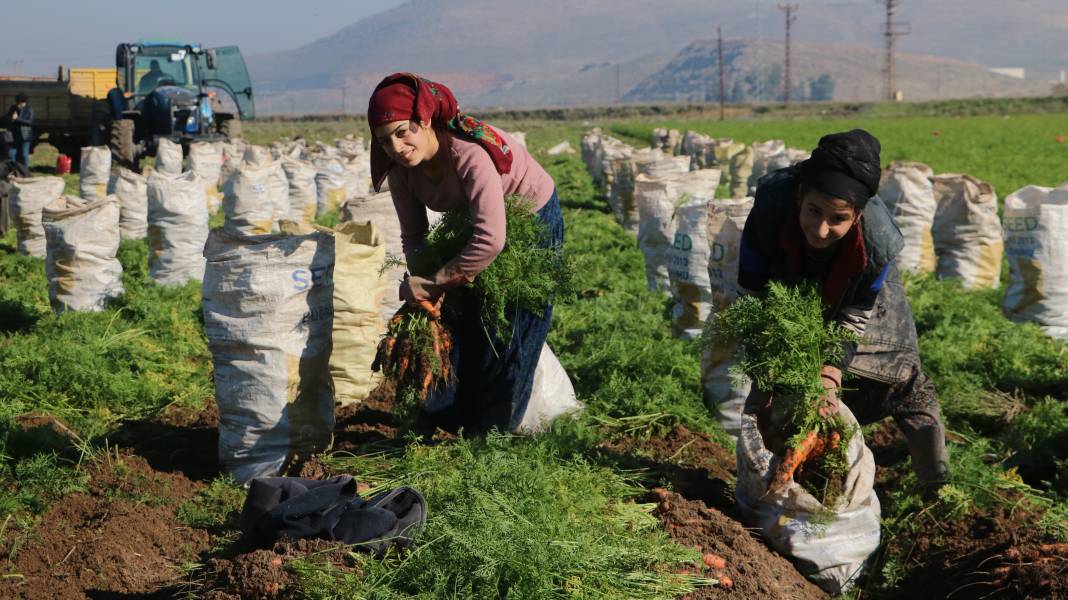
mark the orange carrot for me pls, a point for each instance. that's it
(812, 444)
(713, 561)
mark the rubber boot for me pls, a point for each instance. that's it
(927, 446)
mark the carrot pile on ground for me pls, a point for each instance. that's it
(783, 342)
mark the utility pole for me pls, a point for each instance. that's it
(719, 38)
(619, 98)
(790, 18)
(342, 98)
(891, 31)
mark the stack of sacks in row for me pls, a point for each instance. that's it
(666, 140)
(80, 262)
(703, 260)
(168, 157)
(303, 198)
(770, 156)
(592, 154)
(29, 196)
(206, 160)
(131, 189)
(356, 160)
(177, 227)
(1036, 244)
(647, 161)
(908, 193)
(233, 154)
(657, 198)
(735, 159)
(966, 231)
(95, 171)
(616, 164)
(256, 193)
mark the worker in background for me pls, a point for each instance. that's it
(438, 158)
(820, 222)
(150, 80)
(18, 120)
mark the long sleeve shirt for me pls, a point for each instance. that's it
(471, 183)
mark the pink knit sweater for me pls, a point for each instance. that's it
(472, 184)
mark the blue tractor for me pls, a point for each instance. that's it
(170, 89)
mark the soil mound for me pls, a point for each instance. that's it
(752, 569)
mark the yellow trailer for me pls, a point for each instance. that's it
(68, 108)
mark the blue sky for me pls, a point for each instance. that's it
(39, 35)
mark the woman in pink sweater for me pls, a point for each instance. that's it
(435, 157)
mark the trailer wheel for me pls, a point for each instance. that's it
(121, 142)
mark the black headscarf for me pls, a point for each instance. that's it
(845, 165)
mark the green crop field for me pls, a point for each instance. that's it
(114, 407)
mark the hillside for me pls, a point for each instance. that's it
(508, 52)
(753, 71)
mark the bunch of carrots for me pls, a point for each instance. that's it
(415, 350)
(783, 343)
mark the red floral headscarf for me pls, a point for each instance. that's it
(409, 97)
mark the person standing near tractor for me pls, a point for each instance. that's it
(19, 121)
(821, 223)
(435, 157)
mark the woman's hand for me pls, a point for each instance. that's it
(832, 382)
(415, 289)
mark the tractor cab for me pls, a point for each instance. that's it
(168, 88)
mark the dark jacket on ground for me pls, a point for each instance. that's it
(861, 289)
(22, 127)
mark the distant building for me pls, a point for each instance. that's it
(1016, 72)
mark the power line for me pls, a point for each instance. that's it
(790, 18)
(891, 31)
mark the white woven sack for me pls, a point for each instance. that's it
(206, 160)
(329, 184)
(359, 285)
(248, 202)
(590, 148)
(614, 157)
(1036, 245)
(966, 231)
(268, 313)
(908, 192)
(168, 157)
(258, 155)
(80, 264)
(656, 200)
(793, 522)
(300, 178)
(767, 157)
(95, 170)
(132, 191)
(666, 166)
(177, 228)
(358, 176)
(688, 269)
(28, 198)
(379, 210)
(722, 392)
(552, 395)
(519, 137)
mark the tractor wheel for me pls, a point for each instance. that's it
(231, 128)
(123, 148)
